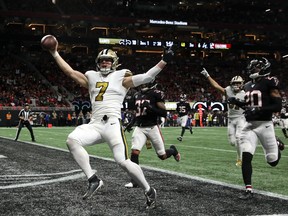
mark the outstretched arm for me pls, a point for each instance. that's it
(149, 76)
(205, 73)
(77, 76)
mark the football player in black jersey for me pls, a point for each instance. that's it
(262, 99)
(183, 108)
(149, 105)
(24, 116)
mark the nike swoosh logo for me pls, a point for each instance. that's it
(112, 123)
(267, 126)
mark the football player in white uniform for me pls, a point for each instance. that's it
(236, 119)
(284, 117)
(107, 88)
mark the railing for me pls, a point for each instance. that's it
(41, 108)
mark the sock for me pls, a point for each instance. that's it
(135, 173)
(81, 156)
(239, 154)
(183, 131)
(169, 152)
(247, 168)
(135, 158)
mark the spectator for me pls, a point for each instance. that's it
(8, 119)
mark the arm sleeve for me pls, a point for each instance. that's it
(147, 77)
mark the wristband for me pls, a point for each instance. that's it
(55, 54)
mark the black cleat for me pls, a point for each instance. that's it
(151, 198)
(179, 139)
(280, 144)
(94, 185)
(248, 194)
(177, 155)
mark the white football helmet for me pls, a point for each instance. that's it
(236, 83)
(107, 54)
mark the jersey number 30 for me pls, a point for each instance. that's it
(254, 98)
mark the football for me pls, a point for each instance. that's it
(48, 42)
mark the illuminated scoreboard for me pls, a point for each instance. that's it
(160, 43)
(205, 45)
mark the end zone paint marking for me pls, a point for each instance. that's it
(30, 184)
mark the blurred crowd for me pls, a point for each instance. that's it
(20, 84)
(48, 86)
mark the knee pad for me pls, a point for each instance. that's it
(71, 142)
(272, 157)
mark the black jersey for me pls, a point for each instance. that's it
(258, 95)
(183, 108)
(144, 118)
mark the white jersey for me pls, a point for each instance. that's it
(233, 110)
(106, 95)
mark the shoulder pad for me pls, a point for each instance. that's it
(128, 73)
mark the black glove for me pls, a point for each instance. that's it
(128, 128)
(235, 101)
(231, 100)
(168, 54)
(252, 113)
